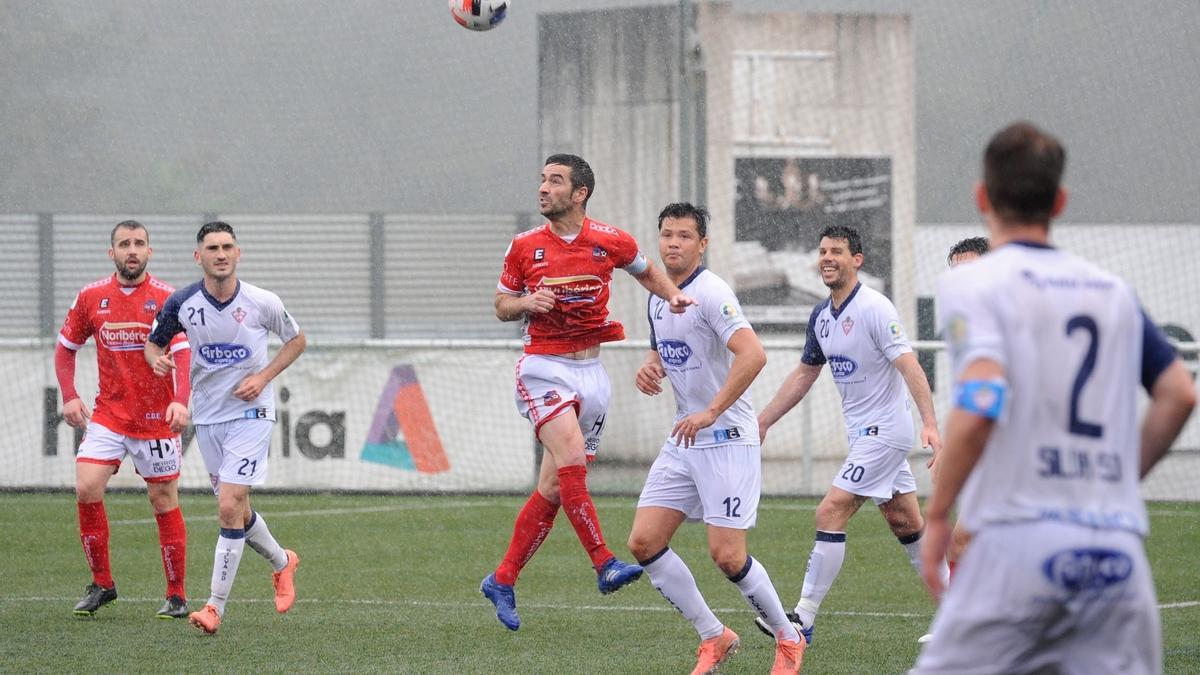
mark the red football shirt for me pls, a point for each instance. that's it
(132, 400)
(579, 273)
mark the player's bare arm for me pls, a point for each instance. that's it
(657, 282)
(160, 361)
(918, 386)
(650, 375)
(74, 411)
(748, 360)
(791, 392)
(967, 433)
(1172, 399)
(252, 385)
(514, 307)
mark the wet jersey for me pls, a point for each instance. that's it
(229, 342)
(692, 349)
(132, 400)
(579, 273)
(859, 341)
(1074, 344)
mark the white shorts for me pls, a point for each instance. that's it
(548, 385)
(235, 451)
(719, 484)
(1048, 597)
(874, 469)
(155, 460)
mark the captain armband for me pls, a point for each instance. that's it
(981, 397)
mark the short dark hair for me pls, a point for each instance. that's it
(215, 226)
(127, 225)
(1022, 167)
(853, 240)
(969, 245)
(581, 172)
(686, 210)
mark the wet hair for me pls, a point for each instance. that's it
(215, 226)
(686, 210)
(1022, 167)
(853, 240)
(581, 172)
(977, 245)
(127, 225)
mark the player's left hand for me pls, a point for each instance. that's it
(685, 430)
(679, 303)
(178, 416)
(249, 388)
(934, 544)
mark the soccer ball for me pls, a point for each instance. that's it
(479, 14)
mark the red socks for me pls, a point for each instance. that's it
(532, 527)
(172, 539)
(93, 533)
(572, 487)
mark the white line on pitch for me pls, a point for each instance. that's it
(331, 512)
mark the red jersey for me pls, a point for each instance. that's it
(579, 273)
(132, 400)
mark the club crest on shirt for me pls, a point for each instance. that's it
(239, 314)
(150, 305)
(847, 325)
(598, 252)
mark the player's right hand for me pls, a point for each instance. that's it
(539, 301)
(649, 379)
(76, 414)
(178, 416)
(163, 365)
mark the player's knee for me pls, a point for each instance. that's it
(730, 561)
(88, 490)
(163, 497)
(830, 515)
(641, 547)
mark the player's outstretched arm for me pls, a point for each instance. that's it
(514, 307)
(918, 386)
(793, 389)
(748, 360)
(1172, 399)
(252, 385)
(657, 282)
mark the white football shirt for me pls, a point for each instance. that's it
(229, 342)
(859, 341)
(1074, 344)
(692, 348)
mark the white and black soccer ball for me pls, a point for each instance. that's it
(479, 14)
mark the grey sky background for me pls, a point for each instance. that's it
(327, 106)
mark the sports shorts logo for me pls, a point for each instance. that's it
(674, 352)
(841, 366)
(223, 353)
(551, 398)
(1087, 569)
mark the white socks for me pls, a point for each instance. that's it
(259, 538)
(671, 576)
(824, 564)
(912, 546)
(230, 545)
(755, 585)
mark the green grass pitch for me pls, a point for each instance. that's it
(390, 584)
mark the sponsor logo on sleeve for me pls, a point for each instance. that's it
(729, 312)
(895, 331)
(223, 353)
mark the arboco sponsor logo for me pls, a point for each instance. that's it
(1088, 569)
(674, 352)
(123, 337)
(841, 366)
(578, 288)
(224, 353)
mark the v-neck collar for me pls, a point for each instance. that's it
(587, 225)
(217, 304)
(835, 312)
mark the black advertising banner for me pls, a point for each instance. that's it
(782, 205)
